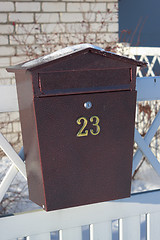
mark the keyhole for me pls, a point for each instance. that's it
(88, 105)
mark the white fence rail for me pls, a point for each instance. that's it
(69, 222)
(98, 217)
(151, 55)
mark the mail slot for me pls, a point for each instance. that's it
(77, 112)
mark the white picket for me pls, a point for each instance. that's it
(101, 231)
(129, 228)
(144, 53)
(148, 226)
(147, 151)
(148, 88)
(38, 222)
(43, 236)
(9, 102)
(12, 155)
(147, 138)
(11, 173)
(149, 51)
(154, 226)
(71, 233)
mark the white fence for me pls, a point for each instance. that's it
(141, 210)
(70, 222)
(151, 55)
(134, 218)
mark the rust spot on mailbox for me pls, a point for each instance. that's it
(77, 111)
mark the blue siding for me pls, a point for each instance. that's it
(141, 20)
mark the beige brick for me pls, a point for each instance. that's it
(108, 37)
(12, 137)
(27, 28)
(24, 0)
(78, 7)
(21, 17)
(53, 7)
(4, 117)
(18, 59)
(16, 126)
(3, 17)
(5, 81)
(112, 7)
(107, 17)
(46, 40)
(113, 27)
(7, 51)
(47, 17)
(90, 37)
(89, 17)
(31, 51)
(22, 50)
(53, 28)
(106, 0)
(6, 6)
(5, 74)
(6, 28)
(4, 61)
(60, 46)
(98, 7)
(48, 0)
(98, 27)
(77, 27)
(71, 17)
(71, 39)
(3, 40)
(74, 0)
(22, 39)
(13, 116)
(6, 127)
(91, 1)
(27, 6)
(13, 81)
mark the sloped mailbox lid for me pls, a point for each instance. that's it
(116, 74)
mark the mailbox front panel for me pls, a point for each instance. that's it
(85, 144)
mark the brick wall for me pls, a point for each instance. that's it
(31, 28)
(53, 24)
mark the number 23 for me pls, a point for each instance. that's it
(84, 132)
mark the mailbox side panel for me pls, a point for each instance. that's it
(29, 135)
(86, 153)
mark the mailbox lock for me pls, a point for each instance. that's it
(88, 105)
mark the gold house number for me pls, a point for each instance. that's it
(83, 121)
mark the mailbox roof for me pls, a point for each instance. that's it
(70, 51)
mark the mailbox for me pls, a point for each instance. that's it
(77, 112)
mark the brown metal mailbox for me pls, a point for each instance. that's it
(77, 111)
